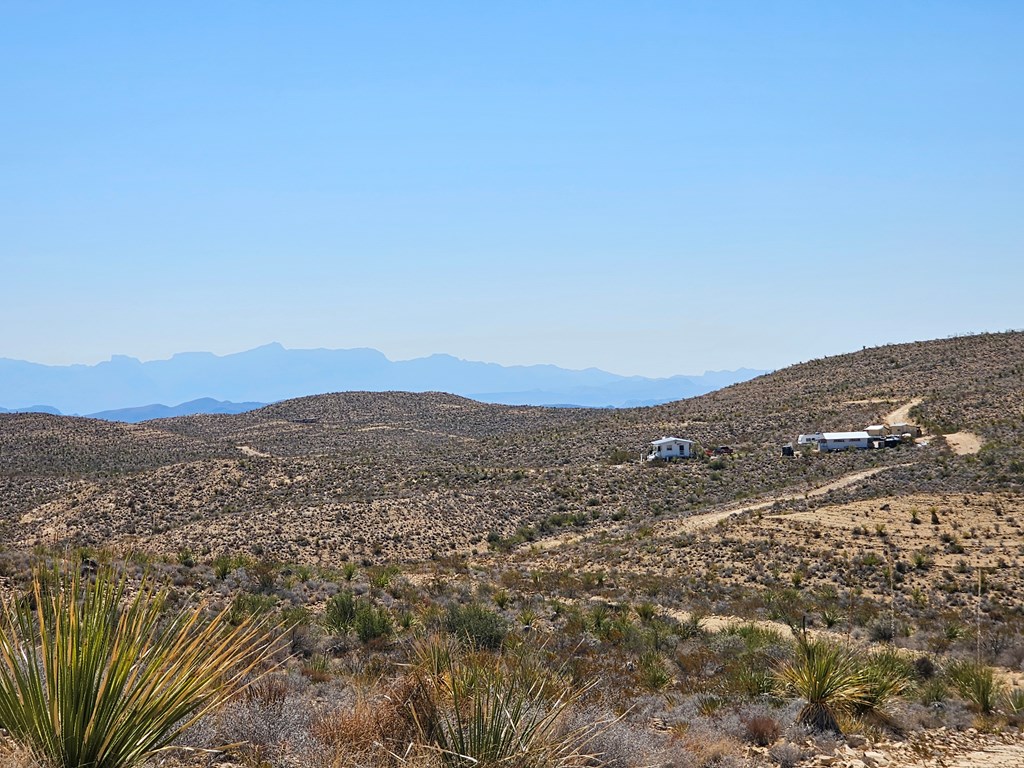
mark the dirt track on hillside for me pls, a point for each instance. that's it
(702, 522)
(902, 414)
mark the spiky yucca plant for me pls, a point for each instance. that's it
(91, 675)
(978, 684)
(480, 710)
(830, 677)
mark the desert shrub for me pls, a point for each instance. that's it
(762, 730)
(709, 704)
(268, 723)
(828, 676)
(691, 626)
(646, 611)
(91, 675)
(1014, 704)
(373, 729)
(786, 754)
(887, 676)
(977, 684)
(317, 668)
(653, 672)
(924, 668)
(612, 742)
(705, 745)
(882, 632)
(340, 612)
(382, 578)
(372, 622)
(222, 566)
(247, 605)
(620, 456)
(264, 573)
(476, 711)
(476, 625)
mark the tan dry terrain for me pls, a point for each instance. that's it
(963, 443)
(405, 476)
(711, 519)
(416, 504)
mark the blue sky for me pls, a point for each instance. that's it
(650, 188)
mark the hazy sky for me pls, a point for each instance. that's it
(650, 188)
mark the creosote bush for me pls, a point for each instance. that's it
(94, 673)
(476, 625)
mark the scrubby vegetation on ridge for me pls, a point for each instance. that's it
(435, 561)
(487, 668)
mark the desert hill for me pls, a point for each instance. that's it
(667, 586)
(401, 475)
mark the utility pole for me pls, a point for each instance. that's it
(977, 618)
(892, 595)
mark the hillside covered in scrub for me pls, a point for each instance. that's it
(425, 553)
(407, 476)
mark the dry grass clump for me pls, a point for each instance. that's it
(378, 729)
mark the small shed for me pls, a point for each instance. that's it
(671, 448)
(842, 441)
(905, 429)
(876, 430)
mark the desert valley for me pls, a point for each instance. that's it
(428, 559)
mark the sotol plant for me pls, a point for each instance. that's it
(93, 674)
(830, 678)
(978, 684)
(484, 711)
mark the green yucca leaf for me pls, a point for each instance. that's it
(831, 678)
(978, 684)
(482, 713)
(91, 675)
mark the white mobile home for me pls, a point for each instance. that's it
(842, 441)
(811, 439)
(670, 448)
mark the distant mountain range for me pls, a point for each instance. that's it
(202, 382)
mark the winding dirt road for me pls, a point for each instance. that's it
(710, 520)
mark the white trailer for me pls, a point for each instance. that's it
(670, 448)
(843, 441)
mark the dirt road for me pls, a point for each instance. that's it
(248, 450)
(902, 414)
(710, 520)
(961, 443)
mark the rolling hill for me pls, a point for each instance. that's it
(409, 475)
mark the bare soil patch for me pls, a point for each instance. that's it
(963, 443)
(248, 450)
(981, 532)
